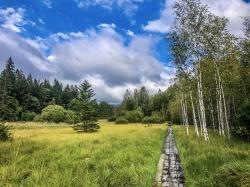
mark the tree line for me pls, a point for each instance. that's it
(25, 98)
(140, 106)
(212, 86)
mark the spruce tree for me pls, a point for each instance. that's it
(86, 107)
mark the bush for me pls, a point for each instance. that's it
(4, 132)
(242, 121)
(121, 120)
(38, 118)
(54, 113)
(89, 126)
(152, 119)
(28, 116)
(111, 118)
(134, 116)
(71, 117)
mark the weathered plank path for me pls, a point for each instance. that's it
(170, 173)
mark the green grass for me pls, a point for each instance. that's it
(54, 155)
(221, 162)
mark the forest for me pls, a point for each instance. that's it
(213, 72)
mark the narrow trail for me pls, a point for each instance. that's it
(170, 173)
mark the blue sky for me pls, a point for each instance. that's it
(115, 44)
(68, 16)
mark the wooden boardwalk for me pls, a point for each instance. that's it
(170, 173)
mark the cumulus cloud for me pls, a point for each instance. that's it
(101, 56)
(129, 7)
(164, 23)
(130, 33)
(105, 53)
(12, 19)
(25, 53)
(234, 10)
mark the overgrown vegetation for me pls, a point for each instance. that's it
(141, 107)
(221, 162)
(117, 155)
(5, 133)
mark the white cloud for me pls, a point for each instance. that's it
(41, 21)
(130, 33)
(101, 56)
(109, 64)
(164, 23)
(47, 3)
(234, 10)
(129, 7)
(106, 25)
(26, 54)
(12, 19)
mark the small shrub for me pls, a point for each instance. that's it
(54, 113)
(121, 120)
(134, 116)
(147, 119)
(5, 133)
(152, 119)
(28, 116)
(111, 118)
(38, 118)
(88, 126)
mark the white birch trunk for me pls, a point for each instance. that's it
(201, 104)
(199, 117)
(186, 115)
(194, 115)
(212, 113)
(225, 110)
(184, 112)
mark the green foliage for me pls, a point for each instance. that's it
(86, 108)
(28, 116)
(242, 121)
(104, 110)
(31, 103)
(38, 118)
(134, 116)
(54, 113)
(156, 118)
(152, 120)
(20, 94)
(5, 133)
(128, 102)
(71, 117)
(121, 120)
(9, 108)
(89, 126)
(111, 118)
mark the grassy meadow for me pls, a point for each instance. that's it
(221, 162)
(43, 154)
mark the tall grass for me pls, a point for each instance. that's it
(221, 162)
(116, 155)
